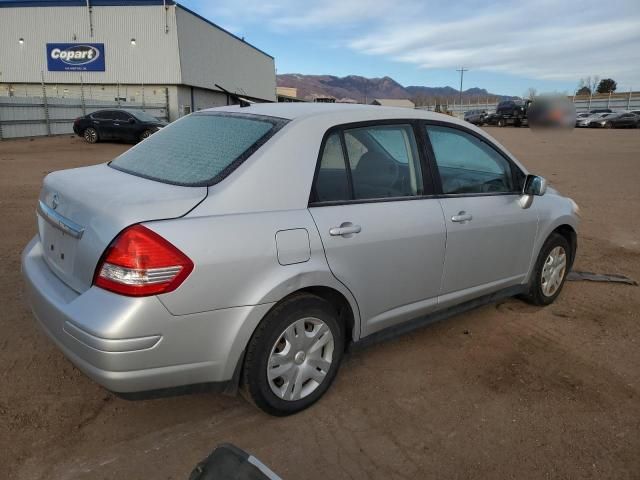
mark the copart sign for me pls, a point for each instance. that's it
(75, 57)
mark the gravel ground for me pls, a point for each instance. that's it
(506, 391)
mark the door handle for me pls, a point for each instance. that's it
(345, 230)
(462, 217)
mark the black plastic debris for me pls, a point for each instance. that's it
(228, 462)
(575, 276)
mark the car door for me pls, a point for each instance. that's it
(102, 121)
(490, 236)
(122, 129)
(383, 235)
(628, 120)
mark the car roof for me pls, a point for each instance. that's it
(339, 112)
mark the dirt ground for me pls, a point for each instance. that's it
(506, 391)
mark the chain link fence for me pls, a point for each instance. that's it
(615, 101)
(37, 110)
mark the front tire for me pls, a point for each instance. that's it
(90, 135)
(502, 123)
(294, 355)
(550, 271)
(145, 134)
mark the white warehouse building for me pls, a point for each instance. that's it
(138, 51)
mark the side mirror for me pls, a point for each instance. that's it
(533, 185)
(131, 120)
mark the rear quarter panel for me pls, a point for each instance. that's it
(236, 261)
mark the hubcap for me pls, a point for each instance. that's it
(300, 359)
(553, 271)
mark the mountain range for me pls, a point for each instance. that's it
(364, 90)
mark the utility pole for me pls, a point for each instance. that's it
(461, 70)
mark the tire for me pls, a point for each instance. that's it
(547, 280)
(311, 357)
(90, 135)
(502, 123)
(608, 125)
(145, 134)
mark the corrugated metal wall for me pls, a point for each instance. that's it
(209, 55)
(153, 59)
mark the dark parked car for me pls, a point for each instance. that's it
(600, 110)
(617, 120)
(123, 125)
(491, 119)
(475, 116)
(513, 108)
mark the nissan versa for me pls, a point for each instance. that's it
(252, 246)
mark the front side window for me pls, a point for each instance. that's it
(143, 116)
(198, 150)
(468, 165)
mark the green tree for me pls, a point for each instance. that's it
(607, 85)
(584, 90)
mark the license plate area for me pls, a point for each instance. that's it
(58, 248)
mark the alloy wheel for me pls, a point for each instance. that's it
(90, 135)
(553, 271)
(300, 359)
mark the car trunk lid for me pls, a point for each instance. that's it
(81, 211)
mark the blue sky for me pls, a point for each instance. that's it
(507, 46)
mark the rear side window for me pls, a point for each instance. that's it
(121, 116)
(103, 115)
(382, 161)
(332, 183)
(198, 150)
(389, 166)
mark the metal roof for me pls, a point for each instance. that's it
(81, 3)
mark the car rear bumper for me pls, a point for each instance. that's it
(132, 344)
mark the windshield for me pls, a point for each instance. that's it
(142, 116)
(199, 149)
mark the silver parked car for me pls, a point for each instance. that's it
(252, 246)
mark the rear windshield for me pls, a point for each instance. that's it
(198, 150)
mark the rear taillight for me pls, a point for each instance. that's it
(139, 262)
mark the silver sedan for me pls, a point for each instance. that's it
(251, 247)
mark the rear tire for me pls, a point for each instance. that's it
(293, 356)
(90, 135)
(550, 272)
(608, 125)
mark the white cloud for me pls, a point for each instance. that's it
(538, 39)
